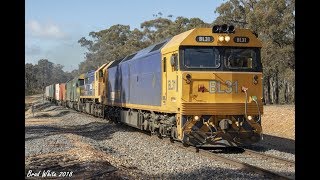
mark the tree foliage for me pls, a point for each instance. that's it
(274, 22)
(42, 74)
(119, 41)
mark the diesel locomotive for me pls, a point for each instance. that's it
(202, 87)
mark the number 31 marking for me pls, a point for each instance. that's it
(215, 87)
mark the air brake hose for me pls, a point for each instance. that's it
(245, 106)
(258, 109)
(259, 115)
(208, 125)
(244, 89)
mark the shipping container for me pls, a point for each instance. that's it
(57, 91)
(52, 91)
(62, 89)
(68, 87)
(47, 91)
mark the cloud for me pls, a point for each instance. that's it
(48, 30)
(33, 50)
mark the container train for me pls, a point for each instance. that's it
(202, 87)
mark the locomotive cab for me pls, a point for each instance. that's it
(214, 81)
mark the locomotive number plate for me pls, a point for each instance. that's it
(204, 39)
(227, 87)
(238, 39)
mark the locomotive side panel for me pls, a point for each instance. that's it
(88, 87)
(136, 83)
(100, 82)
(124, 84)
(112, 85)
(145, 80)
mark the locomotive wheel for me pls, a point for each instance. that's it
(161, 130)
(159, 136)
(185, 144)
(145, 125)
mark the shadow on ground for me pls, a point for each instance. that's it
(268, 143)
(273, 142)
(104, 170)
(94, 130)
(59, 168)
(58, 114)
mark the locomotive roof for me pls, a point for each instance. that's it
(148, 50)
(188, 38)
(116, 62)
(89, 73)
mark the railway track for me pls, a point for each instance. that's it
(266, 165)
(268, 156)
(249, 160)
(273, 163)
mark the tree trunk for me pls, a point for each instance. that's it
(293, 91)
(277, 87)
(286, 92)
(265, 93)
(270, 90)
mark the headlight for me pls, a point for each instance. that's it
(220, 38)
(227, 38)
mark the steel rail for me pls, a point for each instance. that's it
(285, 161)
(243, 165)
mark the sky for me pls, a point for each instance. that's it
(53, 27)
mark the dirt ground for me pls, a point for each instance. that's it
(279, 120)
(30, 99)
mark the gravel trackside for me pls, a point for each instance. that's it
(63, 141)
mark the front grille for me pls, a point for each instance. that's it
(220, 108)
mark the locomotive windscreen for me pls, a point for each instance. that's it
(201, 58)
(240, 58)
